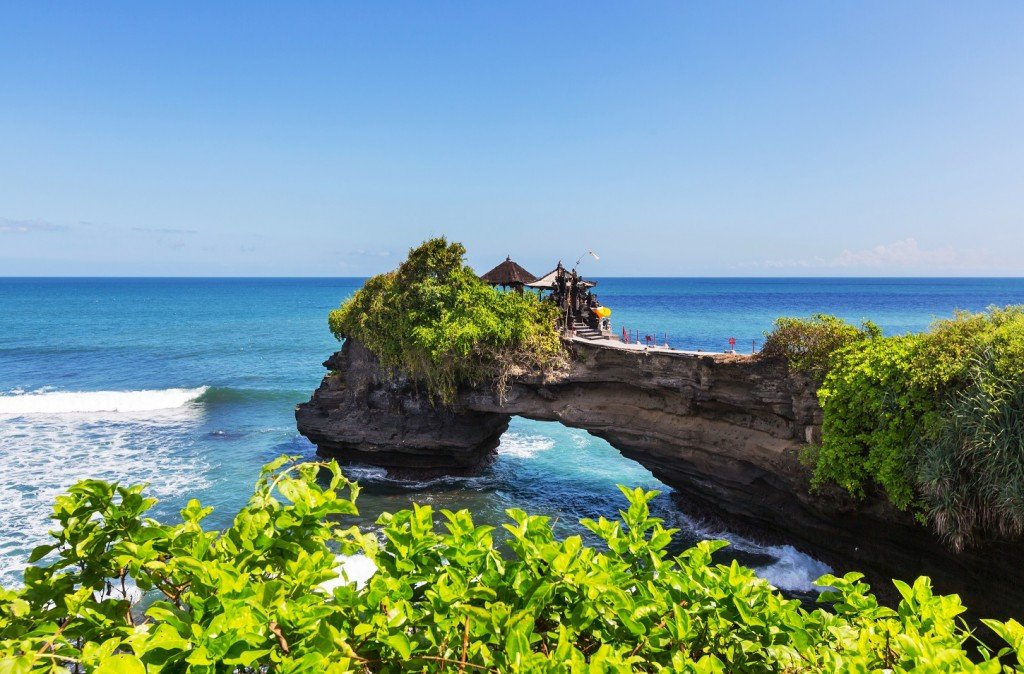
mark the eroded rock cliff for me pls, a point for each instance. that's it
(361, 414)
(725, 431)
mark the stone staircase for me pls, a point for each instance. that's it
(586, 332)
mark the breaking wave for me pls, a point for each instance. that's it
(785, 567)
(215, 395)
(49, 440)
(74, 402)
(523, 445)
(793, 570)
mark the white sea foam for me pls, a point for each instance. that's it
(80, 436)
(356, 569)
(375, 475)
(72, 402)
(363, 473)
(792, 570)
(523, 446)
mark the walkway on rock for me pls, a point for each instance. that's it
(615, 343)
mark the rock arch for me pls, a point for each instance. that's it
(725, 431)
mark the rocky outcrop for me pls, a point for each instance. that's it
(725, 431)
(360, 414)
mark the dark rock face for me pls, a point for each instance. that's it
(725, 431)
(359, 414)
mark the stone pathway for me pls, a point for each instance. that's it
(616, 343)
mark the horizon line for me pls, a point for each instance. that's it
(695, 277)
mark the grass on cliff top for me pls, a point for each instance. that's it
(935, 419)
(435, 321)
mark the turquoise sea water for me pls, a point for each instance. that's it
(190, 385)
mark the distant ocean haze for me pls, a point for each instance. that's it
(190, 385)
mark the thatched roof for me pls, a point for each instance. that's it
(508, 273)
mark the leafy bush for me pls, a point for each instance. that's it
(957, 342)
(875, 415)
(808, 343)
(933, 419)
(252, 598)
(435, 321)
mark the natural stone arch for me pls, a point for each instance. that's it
(724, 430)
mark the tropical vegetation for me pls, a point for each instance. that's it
(935, 420)
(433, 320)
(118, 592)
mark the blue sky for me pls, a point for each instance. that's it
(816, 138)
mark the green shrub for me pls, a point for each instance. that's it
(434, 320)
(875, 414)
(808, 343)
(444, 598)
(933, 419)
(955, 343)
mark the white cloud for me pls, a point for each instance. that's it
(905, 254)
(369, 253)
(9, 226)
(164, 230)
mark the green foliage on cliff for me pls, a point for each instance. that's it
(876, 414)
(933, 419)
(808, 343)
(444, 598)
(435, 321)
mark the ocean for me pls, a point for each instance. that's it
(190, 385)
